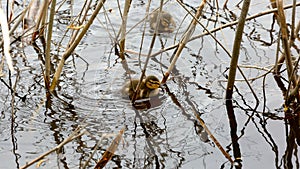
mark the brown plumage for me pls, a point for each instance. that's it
(166, 22)
(149, 88)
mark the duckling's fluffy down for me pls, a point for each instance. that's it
(144, 92)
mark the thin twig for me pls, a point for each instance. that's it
(69, 51)
(77, 133)
(186, 37)
(225, 26)
(149, 54)
(213, 138)
(106, 157)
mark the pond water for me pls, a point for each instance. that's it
(168, 134)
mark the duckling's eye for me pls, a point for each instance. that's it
(165, 23)
(152, 84)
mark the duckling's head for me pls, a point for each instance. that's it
(166, 24)
(152, 82)
(167, 20)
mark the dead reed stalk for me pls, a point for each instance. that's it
(48, 45)
(37, 14)
(73, 45)
(285, 41)
(77, 133)
(236, 49)
(6, 40)
(202, 123)
(231, 79)
(106, 157)
(187, 35)
(123, 36)
(149, 54)
(228, 25)
(123, 28)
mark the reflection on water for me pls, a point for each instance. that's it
(160, 132)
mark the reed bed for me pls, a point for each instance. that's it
(39, 23)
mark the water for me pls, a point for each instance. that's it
(163, 136)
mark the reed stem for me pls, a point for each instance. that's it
(184, 40)
(123, 28)
(48, 45)
(69, 51)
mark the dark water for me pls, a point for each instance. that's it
(164, 136)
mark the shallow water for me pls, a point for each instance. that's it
(163, 136)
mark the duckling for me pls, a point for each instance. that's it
(149, 88)
(166, 22)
